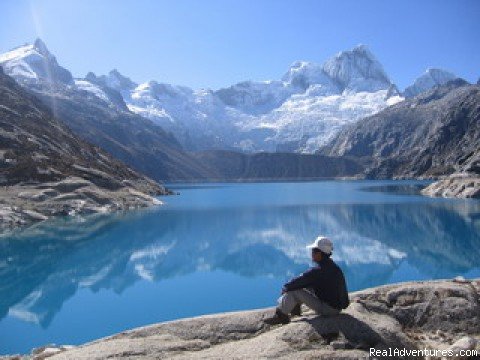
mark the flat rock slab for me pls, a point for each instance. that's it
(409, 315)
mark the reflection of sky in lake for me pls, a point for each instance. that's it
(218, 248)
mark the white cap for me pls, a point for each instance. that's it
(322, 243)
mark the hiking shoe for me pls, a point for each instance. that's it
(278, 318)
(296, 311)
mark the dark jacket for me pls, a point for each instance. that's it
(326, 280)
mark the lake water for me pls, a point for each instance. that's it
(221, 247)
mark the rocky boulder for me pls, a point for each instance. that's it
(455, 186)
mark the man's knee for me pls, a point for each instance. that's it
(296, 292)
(299, 294)
(289, 296)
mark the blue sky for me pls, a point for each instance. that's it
(215, 43)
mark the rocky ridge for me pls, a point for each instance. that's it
(45, 170)
(442, 315)
(434, 134)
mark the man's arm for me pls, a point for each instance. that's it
(300, 282)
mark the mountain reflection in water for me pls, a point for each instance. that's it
(378, 243)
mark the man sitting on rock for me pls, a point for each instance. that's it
(322, 288)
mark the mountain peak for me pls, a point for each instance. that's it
(359, 51)
(363, 49)
(114, 80)
(119, 82)
(41, 48)
(357, 70)
(115, 72)
(439, 74)
(34, 63)
(430, 78)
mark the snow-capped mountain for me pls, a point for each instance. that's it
(34, 63)
(300, 112)
(428, 80)
(357, 70)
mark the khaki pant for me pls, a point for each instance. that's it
(287, 302)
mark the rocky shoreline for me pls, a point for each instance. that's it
(434, 315)
(455, 186)
(25, 204)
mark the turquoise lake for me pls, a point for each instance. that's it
(221, 247)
